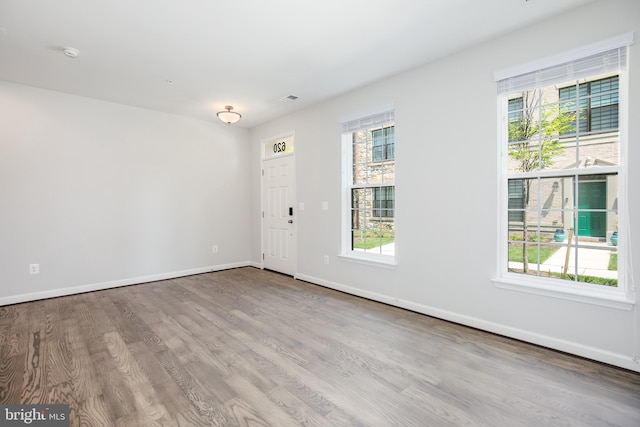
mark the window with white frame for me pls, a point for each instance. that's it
(562, 171)
(369, 186)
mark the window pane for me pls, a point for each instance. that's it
(527, 125)
(576, 129)
(382, 172)
(548, 203)
(594, 265)
(516, 201)
(376, 173)
(378, 153)
(604, 118)
(534, 139)
(391, 150)
(530, 257)
(532, 226)
(596, 104)
(372, 223)
(595, 199)
(563, 213)
(390, 137)
(597, 264)
(548, 193)
(383, 201)
(373, 153)
(573, 105)
(383, 143)
(361, 173)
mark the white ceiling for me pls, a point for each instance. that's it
(193, 57)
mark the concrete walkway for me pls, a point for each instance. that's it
(591, 261)
(388, 249)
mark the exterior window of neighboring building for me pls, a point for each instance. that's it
(383, 201)
(383, 144)
(369, 220)
(562, 175)
(593, 103)
(516, 200)
(515, 112)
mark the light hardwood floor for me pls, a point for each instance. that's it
(254, 348)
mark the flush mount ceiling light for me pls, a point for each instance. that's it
(228, 116)
(71, 52)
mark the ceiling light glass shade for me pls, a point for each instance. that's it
(228, 116)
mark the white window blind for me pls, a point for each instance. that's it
(602, 58)
(368, 122)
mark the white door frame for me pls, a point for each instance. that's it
(272, 149)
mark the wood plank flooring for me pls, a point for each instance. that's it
(247, 347)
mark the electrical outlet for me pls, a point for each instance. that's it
(326, 259)
(214, 249)
(34, 268)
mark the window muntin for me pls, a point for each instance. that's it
(593, 62)
(561, 177)
(372, 228)
(594, 104)
(370, 189)
(534, 128)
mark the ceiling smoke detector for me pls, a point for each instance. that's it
(71, 52)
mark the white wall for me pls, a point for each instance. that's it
(101, 194)
(446, 207)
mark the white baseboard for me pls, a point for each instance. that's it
(254, 264)
(33, 296)
(599, 355)
(348, 289)
(596, 354)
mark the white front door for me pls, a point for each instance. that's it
(278, 224)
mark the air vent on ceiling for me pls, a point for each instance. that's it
(289, 98)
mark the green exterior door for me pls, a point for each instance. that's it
(592, 195)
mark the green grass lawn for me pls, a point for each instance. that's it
(515, 253)
(371, 242)
(589, 279)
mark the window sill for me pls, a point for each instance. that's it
(383, 261)
(593, 294)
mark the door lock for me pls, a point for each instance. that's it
(290, 221)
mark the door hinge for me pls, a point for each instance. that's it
(263, 256)
(262, 214)
(262, 172)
